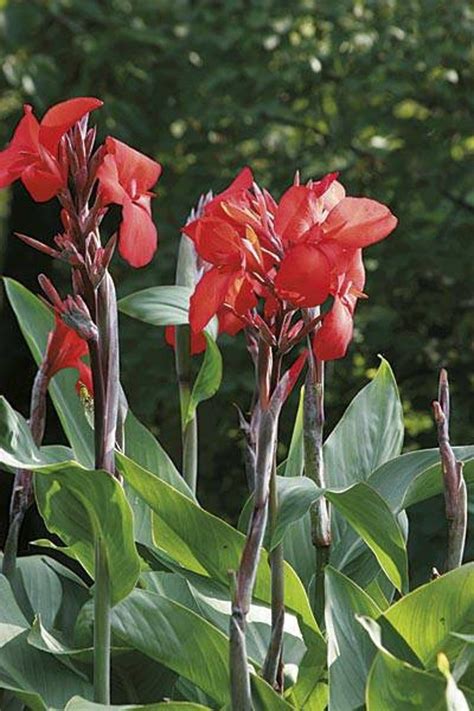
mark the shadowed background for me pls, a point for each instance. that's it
(381, 91)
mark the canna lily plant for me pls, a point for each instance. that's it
(158, 603)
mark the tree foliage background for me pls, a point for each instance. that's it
(380, 90)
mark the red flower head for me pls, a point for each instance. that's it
(65, 349)
(32, 154)
(320, 229)
(126, 178)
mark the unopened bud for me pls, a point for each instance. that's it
(76, 315)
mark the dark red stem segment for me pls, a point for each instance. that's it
(455, 493)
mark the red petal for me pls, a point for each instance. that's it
(209, 295)
(138, 237)
(358, 222)
(321, 186)
(217, 242)
(41, 183)
(304, 277)
(109, 185)
(297, 212)
(332, 339)
(64, 349)
(61, 117)
(137, 173)
(22, 149)
(229, 322)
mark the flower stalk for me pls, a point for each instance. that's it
(455, 493)
(313, 429)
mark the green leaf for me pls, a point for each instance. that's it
(395, 684)
(158, 305)
(217, 548)
(36, 321)
(428, 616)
(208, 378)
(38, 588)
(416, 476)
(369, 433)
(79, 505)
(79, 704)
(37, 678)
(179, 638)
(371, 518)
(211, 600)
(12, 620)
(82, 506)
(350, 650)
(162, 306)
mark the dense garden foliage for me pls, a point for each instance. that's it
(248, 119)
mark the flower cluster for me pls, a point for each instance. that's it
(268, 260)
(56, 157)
(43, 155)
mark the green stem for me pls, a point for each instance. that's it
(189, 433)
(101, 626)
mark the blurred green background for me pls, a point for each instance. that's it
(380, 90)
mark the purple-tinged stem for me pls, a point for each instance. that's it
(455, 493)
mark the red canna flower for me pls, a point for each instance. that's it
(65, 349)
(32, 154)
(322, 232)
(126, 178)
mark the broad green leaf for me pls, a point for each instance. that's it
(162, 306)
(82, 506)
(362, 507)
(369, 433)
(38, 588)
(371, 518)
(217, 548)
(37, 678)
(79, 704)
(428, 616)
(350, 652)
(77, 504)
(36, 321)
(179, 638)
(207, 380)
(212, 601)
(144, 448)
(158, 305)
(416, 476)
(12, 620)
(395, 684)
